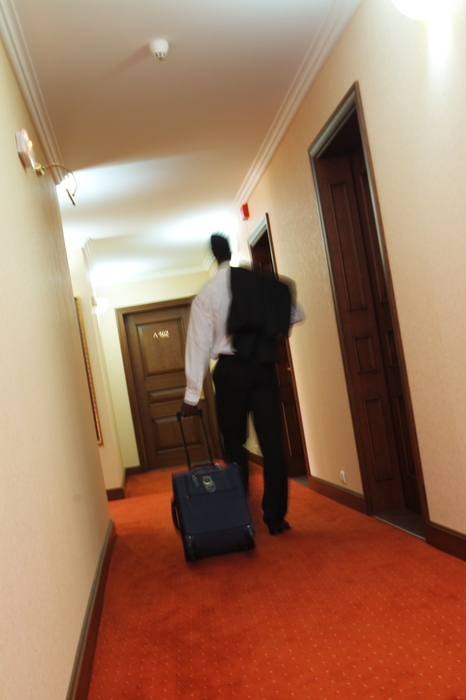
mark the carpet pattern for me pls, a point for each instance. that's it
(340, 606)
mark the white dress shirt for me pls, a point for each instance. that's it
(207, 337)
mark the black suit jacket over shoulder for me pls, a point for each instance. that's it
(259, 311)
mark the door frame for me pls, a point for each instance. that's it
(121, 313)
(261, 228)
(352, 103)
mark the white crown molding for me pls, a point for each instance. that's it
(88, 249)
(148, 276)
(332, 27)
(89, 254)
(17, 52)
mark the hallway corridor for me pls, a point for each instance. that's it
(341, 606)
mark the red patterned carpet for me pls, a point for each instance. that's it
(340, 606)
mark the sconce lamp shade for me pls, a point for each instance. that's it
(100, 304)
(25, 149)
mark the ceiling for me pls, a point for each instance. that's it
(163, 152)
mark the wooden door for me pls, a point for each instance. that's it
(293, 441)
(153, 343)
(386, 330)
(375, 368)
(359, 334)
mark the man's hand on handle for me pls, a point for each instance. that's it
(188, 410)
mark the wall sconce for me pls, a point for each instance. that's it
(40, 170)
(100, 304)
(25, 149)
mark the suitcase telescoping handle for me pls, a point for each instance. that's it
(199, 413)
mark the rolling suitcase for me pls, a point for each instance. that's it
(209, 506)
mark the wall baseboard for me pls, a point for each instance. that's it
(118, 493)
(82, 669)
(256, 459)
(115, 494)
(325, 488)
(446, 540)
(336, 493)
(132, 470)
(442, 538)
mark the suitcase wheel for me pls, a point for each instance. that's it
(189, 549)
(249, 538)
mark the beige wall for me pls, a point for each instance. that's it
(126, 295)
(109, 450)
(53, 510)
(414, 100)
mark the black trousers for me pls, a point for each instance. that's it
(243, 387)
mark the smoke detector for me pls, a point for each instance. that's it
(159, 48)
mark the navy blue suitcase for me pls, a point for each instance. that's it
(209, 507)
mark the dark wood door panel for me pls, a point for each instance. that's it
(359, 333)
(292, 433)
(166, 438)
(262, 257)
(154, 342)
(168, 388)
(409, 468)
(162, 347)
(384, 461)
(385, 324)
(355, 244)
(165, 434)
(344, 245)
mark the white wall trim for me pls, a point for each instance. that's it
(149, 276)
(13, 41)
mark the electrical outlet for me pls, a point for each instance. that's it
(343, 476)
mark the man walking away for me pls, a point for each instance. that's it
(235, 319)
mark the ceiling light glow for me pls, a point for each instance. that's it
(201, 227)
(116, 273)
(423, 10)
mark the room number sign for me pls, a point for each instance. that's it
(161, 334)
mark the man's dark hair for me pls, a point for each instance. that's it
(220, 247)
